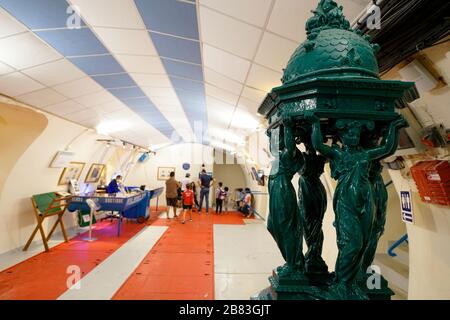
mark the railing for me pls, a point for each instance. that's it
(256, 213)
(397, 243)
(259, 193)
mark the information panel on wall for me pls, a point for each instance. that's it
(406, 206)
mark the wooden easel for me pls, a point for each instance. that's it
(48, 205)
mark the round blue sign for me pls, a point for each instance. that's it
(186, 166)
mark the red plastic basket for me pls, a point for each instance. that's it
(433, 181)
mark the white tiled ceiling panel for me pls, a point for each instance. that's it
(248, 105)
(263, 78)
(78, 88)
(156, 92)
(8, 25)
(254, 94)
(5, 69)
(225, 63)
(64, 108)
(250, 11)
(110, 13)
(94, 99)
(220, 113)
(152, 80)
(159, 68)
(43, 97)
(221, 94)
(83, 115)
(221, 81)
(274, 51)
(25, 50)
(16, 84)
(124, 41)
(56, 72)
(288, 18)
(141, 64)
(229, 34)
(111, 106)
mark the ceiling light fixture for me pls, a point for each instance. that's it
(124, 144)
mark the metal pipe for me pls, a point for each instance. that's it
(397, 243)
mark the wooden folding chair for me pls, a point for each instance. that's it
(48, 205)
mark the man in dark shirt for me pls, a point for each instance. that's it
(205, 183)
(113, 186)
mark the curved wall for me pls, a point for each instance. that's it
(29, 141)
(19, 127)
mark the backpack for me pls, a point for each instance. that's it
(222, 195)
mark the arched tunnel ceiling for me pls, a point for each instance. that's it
(152, 71)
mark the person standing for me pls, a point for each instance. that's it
(194, 189)
(226, 199)
(219, 197)
(187, 180)
(205, 184)
(188, 202)
(172, 194)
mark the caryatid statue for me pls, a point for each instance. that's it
(284, 222)
(353, 200)
(380, 200)
(331, 88)
(312, 202)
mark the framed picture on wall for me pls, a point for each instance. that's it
(71, 172)
(164, 172)
(62, 159)
(95, 172)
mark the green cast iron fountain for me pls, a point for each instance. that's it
(331, 90)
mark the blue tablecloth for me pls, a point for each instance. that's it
(130, 206)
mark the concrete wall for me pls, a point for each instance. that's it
(429, 238)
(231, 175)
(21, 125)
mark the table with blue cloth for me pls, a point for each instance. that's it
(132, 206)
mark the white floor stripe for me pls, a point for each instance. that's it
(16, 256)
(104, 281)
(241, 271)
